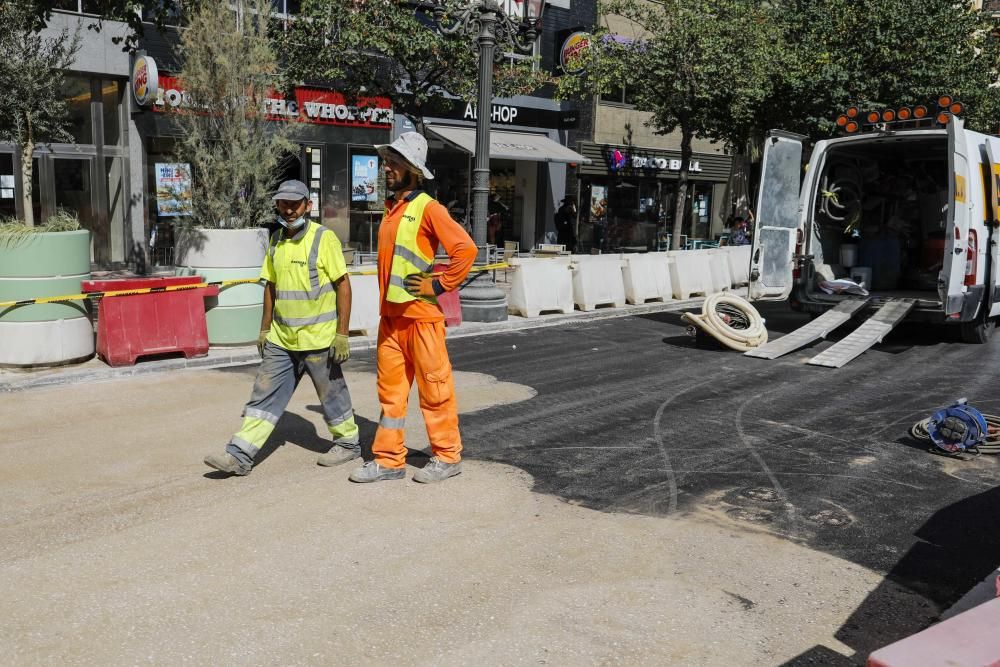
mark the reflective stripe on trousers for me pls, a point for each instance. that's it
(279, 374)
(408, 350)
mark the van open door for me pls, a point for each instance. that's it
(951, 279)
(993, 222)
(777, 221)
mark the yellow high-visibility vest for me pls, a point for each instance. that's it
(407, 258)
(305, 304)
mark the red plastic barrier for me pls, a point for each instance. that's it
(132, 326)
(449, 303)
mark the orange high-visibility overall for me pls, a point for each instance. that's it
(411, 339)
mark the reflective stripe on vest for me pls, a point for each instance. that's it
(407, 257)
(289, 311)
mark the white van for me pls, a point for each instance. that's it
(910, 214)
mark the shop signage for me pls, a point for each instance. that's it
(618, 161)
(572, 51)
(311, 105)
(364, 178)
(509, 114)
(501, 113)
(145, 80)
(173, 189)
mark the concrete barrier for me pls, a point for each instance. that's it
(690, 273)
(739, 264)
(540, 284)
(364, 301)
(646, 277)
(722, 280)
(597, 280)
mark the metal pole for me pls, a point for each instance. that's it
(481, 172)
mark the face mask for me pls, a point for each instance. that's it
(297, 222)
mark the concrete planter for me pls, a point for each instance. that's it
(45, 264)
(226, 254)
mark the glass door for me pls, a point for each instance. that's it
(72, 182)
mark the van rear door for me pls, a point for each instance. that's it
(992, 185)
(951, 279)
(777, 219)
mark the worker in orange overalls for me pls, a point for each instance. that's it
(411, 336)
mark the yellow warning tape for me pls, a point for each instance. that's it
(178, 288)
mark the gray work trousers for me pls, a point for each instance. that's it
(277, 378)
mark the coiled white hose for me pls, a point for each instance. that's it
(731, 320)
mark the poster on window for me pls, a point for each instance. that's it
(364, 178)
(173, 189)
(598, 204)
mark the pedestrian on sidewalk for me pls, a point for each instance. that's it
(304, 329)
(565, 220)
(411, 336)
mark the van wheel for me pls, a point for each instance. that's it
(978, 331)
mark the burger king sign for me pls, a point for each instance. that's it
(145, 80)
(572, 51)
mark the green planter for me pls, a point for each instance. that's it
(226, 254)
(45, 264)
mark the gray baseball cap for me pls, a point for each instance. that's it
(291, 191)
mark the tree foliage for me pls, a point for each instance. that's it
(32, 80)
(391, 48)
(229, 67)
(879, 54)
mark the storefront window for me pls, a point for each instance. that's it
(73, 193)
(114, 173)
(111, 95)
(36, 190)
(367, 197)
(701, 207)
(8, 204)
(78, 104)
(501, 208)
(452, 177)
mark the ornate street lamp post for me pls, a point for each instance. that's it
(489, 25)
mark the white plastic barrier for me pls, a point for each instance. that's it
(646, 277)
(722, 279)
(540, 284)
(690, 273)
(739, 264)
(597, 280)
(364, 301)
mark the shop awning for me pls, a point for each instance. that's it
(505, 145)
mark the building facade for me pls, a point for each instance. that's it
(628, 188)
(120, 176)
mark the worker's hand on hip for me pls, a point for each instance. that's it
(420, 284)
(340, 349)
(261, 341)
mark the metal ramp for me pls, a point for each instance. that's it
(872, 331)
(812, 331)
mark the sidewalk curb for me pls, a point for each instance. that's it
(96, 370)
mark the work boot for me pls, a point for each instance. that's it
(226, 462)
(437, 470)
(338, 454)
(373, 472)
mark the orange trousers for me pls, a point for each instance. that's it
(409, 349)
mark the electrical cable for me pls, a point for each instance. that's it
(731, 320)
(989, 446)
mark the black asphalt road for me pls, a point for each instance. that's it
(632, 416)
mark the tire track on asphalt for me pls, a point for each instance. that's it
(658, 437)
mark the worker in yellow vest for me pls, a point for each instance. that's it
(411, 337)
(304, 329)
